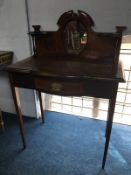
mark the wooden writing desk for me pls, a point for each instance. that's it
(63, 67)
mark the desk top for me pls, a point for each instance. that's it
(55, 67)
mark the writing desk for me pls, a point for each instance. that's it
(55, 71)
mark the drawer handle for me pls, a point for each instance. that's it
(56, 86)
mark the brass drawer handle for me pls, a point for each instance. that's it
(56, 86)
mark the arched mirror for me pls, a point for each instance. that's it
(75, 27)
(75, 37)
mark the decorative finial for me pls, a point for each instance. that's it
(36, 28)
(120, 29)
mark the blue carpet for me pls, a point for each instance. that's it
(64, 145)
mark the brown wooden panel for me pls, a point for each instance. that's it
(23, 80)
(60, 87)
(99, 49)
(100, 89)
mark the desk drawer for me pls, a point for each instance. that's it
(23, 80)
(60, 87)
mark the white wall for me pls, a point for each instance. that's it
(13, 36)
(13, 31)
(105, 13)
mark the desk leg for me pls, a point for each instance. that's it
(15, 94)
(1, 122)
(41, 106)
(112, 102)
(107, 118)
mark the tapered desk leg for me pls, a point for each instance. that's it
(15, 94)
(41, 106)
(1, 121)
(112, 102)
(108, 115)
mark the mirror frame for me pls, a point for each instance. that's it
(81, 18)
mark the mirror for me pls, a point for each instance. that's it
(75, 37)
